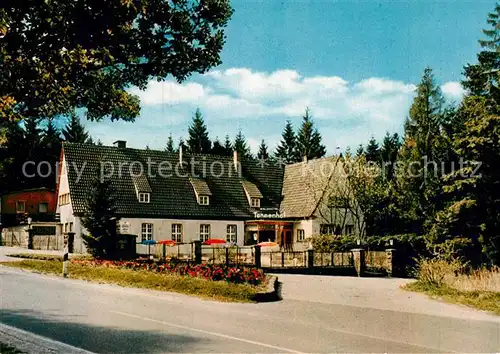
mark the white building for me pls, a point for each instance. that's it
(181, 197)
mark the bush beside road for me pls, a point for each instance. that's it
(452, 281)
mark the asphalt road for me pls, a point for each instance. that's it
(109, 319)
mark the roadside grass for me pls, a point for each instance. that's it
(7, 349)
(476, 280)
(482, 300)
(454, 282)
(214, 290)
(43, 257)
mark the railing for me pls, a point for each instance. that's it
(233, 255)
(356, 261)
(299, 259)
(333, 259)
(275, 259)
(184, 252)
(376, 262)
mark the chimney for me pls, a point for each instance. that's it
(235, 159)
(180, 155)
(121, 144)
(237, 163)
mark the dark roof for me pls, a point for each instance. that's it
(172, 192)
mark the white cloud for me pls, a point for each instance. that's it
(377, 86)
(259, 103)
(453, 90)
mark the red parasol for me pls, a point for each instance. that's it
(267, 244)
(214, 241)
(167, 242)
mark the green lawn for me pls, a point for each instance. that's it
(217, 290)
(482, 300)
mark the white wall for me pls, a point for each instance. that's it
(162, 228)
(66, 211)
(307, 226)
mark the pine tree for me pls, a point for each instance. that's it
(16, 154)
(218, 149)
(241, 146)
(360, 151)
(170, 144)
(286, 148)
(421, 154)
(348, 153)
(100, 220)
(389, 153)
(423, 125)
(198, 141)
(51, 136)
(32, 134)
(263, 154)
(373, 151)
(51, 141)
(75, 132)
(483, 79)
(308, 140)
(33, 144)
(472, 212)
(228, 146)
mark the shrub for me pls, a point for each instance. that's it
(245, 275)
(435, 271)
(333, 243)
(451, 249)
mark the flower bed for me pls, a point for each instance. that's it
(234, 275)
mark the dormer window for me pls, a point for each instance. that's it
(144, 197)
(201, 190)
(204, 200)
(142, 188)
(253, 194)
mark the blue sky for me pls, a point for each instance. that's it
(354, 63)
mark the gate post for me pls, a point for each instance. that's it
(391, 265)
(257, 261)
(197, 251)
(71, 242)
(30, 238)
(358, 257)
(310, 258)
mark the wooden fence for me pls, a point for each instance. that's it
(378, 263)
